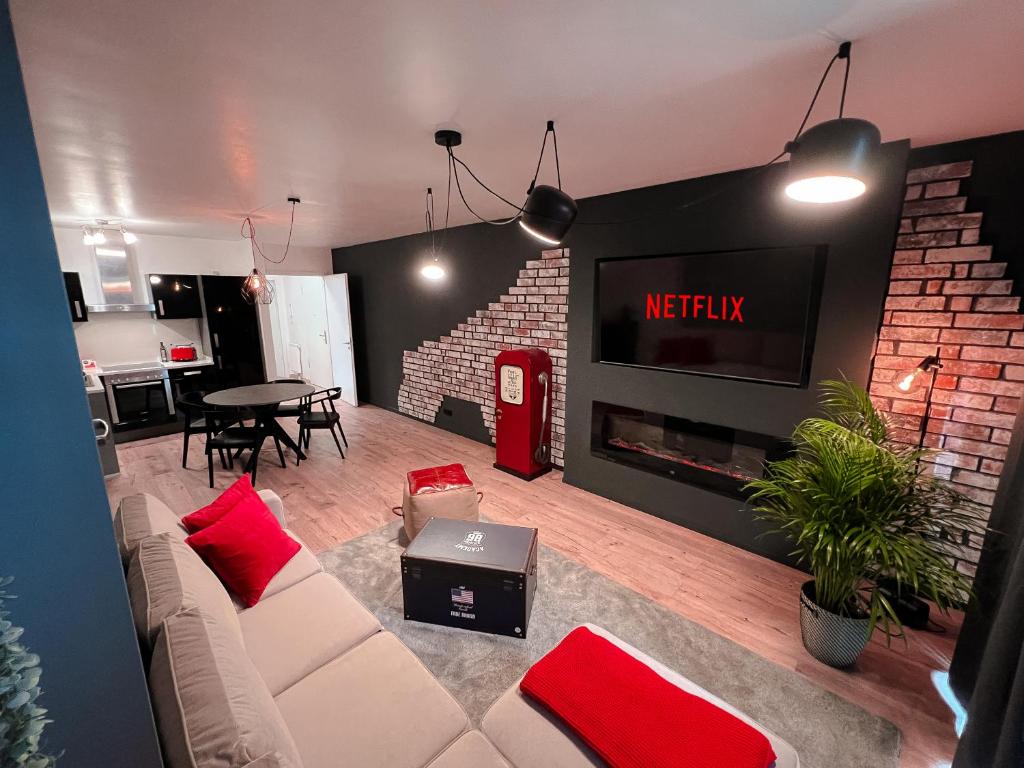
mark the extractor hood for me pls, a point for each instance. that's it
(121, 285)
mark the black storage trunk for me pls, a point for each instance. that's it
(471, 575)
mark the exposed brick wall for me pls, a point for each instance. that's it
(461, 365)
(945, 291)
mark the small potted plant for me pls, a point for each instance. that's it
(21, 719)
(862, 509)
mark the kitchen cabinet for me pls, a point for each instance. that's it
(101, 423)
(186, 380)
(234, 333)
(176, 296)
(76, 299)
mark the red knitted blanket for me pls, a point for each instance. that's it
(632, 716)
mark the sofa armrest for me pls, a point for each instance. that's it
(274, 503)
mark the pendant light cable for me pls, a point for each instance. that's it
(454, 162)
(842, 53)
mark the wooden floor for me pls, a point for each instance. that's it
(744, 597)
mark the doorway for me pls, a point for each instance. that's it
(307, 332)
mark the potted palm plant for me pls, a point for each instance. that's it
(861, 509)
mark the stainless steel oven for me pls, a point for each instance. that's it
(138, 396)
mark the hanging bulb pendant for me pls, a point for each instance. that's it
(257, 289)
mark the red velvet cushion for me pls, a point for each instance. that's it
(433, 479)
(211, 513)
(632, 716)
(246, 548)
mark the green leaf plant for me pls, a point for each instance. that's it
(863, 508)
(21, 719)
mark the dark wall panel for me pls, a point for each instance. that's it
(753, 214)
(394, 309)
(56, 537)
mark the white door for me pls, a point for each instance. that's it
(308, 338)
(339, 323)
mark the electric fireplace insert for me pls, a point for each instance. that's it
(718, 458)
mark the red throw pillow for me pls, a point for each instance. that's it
(211, 513)
(246, 548)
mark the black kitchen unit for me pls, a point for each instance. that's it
(234, 333)
(140, 400)
(176, 296)
(76, 299)
(186, 380)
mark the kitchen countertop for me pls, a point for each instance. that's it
(189, 364)
(97, 370)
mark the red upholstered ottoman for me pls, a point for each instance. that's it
(438, 492)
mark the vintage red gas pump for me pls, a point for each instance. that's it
(522, 412)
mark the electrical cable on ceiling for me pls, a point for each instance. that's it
(249, 233)
(453, 167)
(842, 53)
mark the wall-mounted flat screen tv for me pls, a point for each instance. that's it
(738, 314)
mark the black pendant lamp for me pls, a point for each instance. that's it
(832, 161)
(548, 213)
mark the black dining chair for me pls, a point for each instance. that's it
(223, 436)
(292, 409)
(326, 418)
(192, 407)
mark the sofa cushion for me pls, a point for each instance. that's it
(139, 517)
(246, 548)
(206, 516)
(471, 750)
(377, 706)
(164, 577)
(302, 565)
(212, 708)
(298, 630)
(531, 738)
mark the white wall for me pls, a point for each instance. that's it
(125, 338)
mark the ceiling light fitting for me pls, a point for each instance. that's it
(433, 270)
(832, 161)
(257, 289)
(547, 214)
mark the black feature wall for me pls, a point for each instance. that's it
(56, 537)
(394, 309)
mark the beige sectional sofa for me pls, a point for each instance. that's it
(307, 678)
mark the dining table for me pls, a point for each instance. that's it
(263, 400)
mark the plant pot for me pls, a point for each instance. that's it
(830, 638)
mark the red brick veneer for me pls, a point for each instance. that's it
(461, 365)
(946, 291)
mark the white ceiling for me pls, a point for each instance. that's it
(182, 116)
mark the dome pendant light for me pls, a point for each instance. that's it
(549, 212)
(832, 161)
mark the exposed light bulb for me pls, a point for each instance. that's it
(87, 236)
(905, 381)
(826, 189)
(129, 237)
(155, 279)
(432, 271)
(98, 238)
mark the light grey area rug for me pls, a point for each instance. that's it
(827, 731)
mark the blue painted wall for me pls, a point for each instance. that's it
(55, 533)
